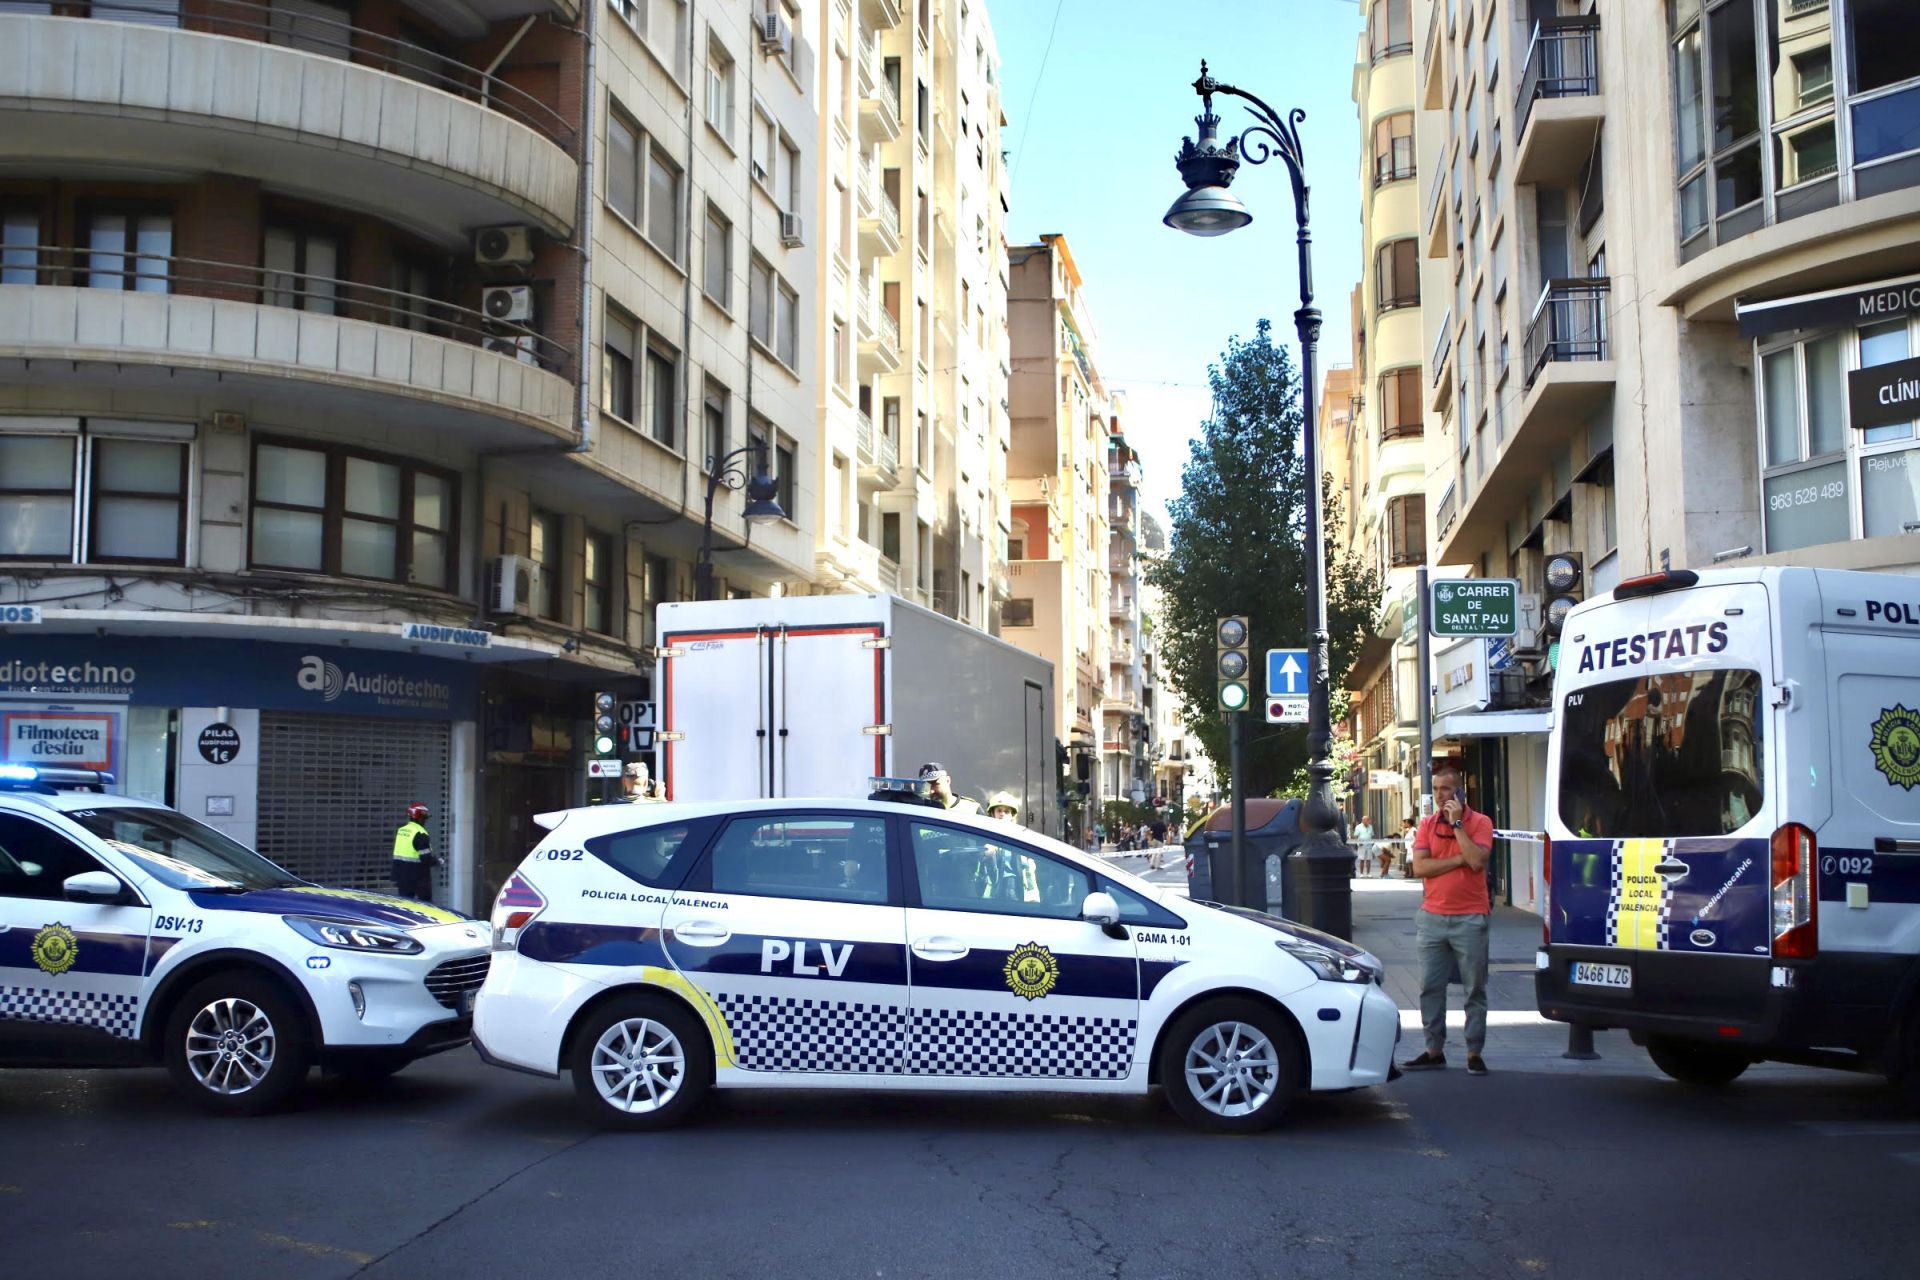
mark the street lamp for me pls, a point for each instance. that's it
(1209, 209)
(763, 503)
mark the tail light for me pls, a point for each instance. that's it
(1796, 923)
(1546, 877)
(514, 910)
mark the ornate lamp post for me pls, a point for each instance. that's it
(763, 504)
(1209, 209)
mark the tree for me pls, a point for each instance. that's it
(1237, 546)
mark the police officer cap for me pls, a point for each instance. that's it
(932, 770)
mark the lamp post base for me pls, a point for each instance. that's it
(1320, 884)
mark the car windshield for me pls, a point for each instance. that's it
(1659, 756)
(180, 852)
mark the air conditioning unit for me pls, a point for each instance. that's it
(776, 36)
(521, 347)
(510, 584)
(510, 246)
(508, 302)
(790, 229)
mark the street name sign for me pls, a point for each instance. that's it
(1475, 606)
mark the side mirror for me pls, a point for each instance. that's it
(1100, 909)
(95, 886)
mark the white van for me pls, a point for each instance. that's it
(1734, 820)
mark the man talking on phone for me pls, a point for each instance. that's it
(1449, 858)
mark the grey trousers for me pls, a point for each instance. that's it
(1444, 940)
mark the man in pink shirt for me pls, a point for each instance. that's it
(1449, 858)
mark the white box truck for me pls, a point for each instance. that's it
(1734, 815)
(815, 695)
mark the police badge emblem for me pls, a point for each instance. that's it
(1031, 971)
(1896, 746)
(55, 949)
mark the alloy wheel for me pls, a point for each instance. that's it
(638, 1065)
(1232, 1069)
(231, 1045)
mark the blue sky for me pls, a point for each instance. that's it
(1091, 136)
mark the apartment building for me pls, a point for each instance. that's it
(359, 386)
(1671, 267)
(1125, 738)
(1057, 481)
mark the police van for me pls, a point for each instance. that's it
(1734, 820)
(653, 952)
(131, 934)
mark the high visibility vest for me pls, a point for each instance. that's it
(403, 850)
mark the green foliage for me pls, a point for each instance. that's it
(1237, 546)
(1116, 812)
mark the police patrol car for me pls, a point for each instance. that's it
(1734, 816)
(132, 934)
(654, 952)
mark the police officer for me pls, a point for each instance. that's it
(940, 784)
(1003, 806)
(413, 857)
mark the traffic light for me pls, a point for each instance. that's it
(606, 742)
(1233, 664)
(1565, 579)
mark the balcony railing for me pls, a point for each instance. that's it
(1569, 323)
(863, 435)
(889, 214)
(889, 328)
(1442, 348)
(1562, 62)
(331, 38)
(272, 287)
(889, 452)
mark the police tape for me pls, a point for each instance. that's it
(1521, 837)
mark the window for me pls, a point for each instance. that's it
(1391, 28)
(922, 111)
(787, 178)
(760, 301)
(332, 510)
(1400, 409)
(822, 857)
(129, 250)
(19, 252)
(655, 857)
(650, 201)
(414, 288)
(543, 548)
(890, 418)
(37, 496)
(719, 89)
(787, 326)
(965, 871)
(137, 506)
(36, 860)
(890, 535)
(616, 365)
(1663, 756)
(840, 361)
(302, 269)
(1393, 148)
(663, 366)
(596, 579)
(623, 166)
(663, 202)
(718, 280)
(713, 419)
(1397, 274)
(784, 472)
(1805, 486)
(1017, 612)
(1407, 530)
(662, 24)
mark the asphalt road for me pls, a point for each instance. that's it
(456, 1169)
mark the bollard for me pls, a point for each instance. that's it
(1580, 1043)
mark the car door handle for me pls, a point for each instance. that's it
(939, 948)
(702, 933)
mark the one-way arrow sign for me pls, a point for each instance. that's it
(1286, 672)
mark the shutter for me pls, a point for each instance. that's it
(334, 788)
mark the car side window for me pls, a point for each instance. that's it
(826, 857)
(35, 860)
(966, 871)
(655, 856)
(1135, 909)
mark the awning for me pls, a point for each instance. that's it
(1854, 304)
(1493, 724)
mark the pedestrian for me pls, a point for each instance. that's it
(940, 790)
(1363, 842)
(1003, 806)
(1449, 858)
(1409, 830)
(1159, 833)
(413, 856)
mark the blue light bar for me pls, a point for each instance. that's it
(19, 773)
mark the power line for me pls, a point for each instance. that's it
(1026, 128)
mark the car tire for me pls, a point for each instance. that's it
(1703, 1066)
(238, 1044)
(1231, 1066)
(641, 1031)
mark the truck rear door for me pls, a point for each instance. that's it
(715, 709)
(830, 685)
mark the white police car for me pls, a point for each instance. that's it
(132, 934)
(655, 951)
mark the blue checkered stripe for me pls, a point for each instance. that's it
(791, 1033)
(115, 1014)
(974, 1042)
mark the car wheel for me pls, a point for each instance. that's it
(642, 1062)
(1706, 1066)
(1230, 1066)
(237, 1044)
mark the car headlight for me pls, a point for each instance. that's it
(1328, 965)
(349, 936)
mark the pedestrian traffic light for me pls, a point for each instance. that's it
(605, 743)
(1233, 664)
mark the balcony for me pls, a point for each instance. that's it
(335, 345)
(1569, 323)
(348, 117)
(879, 106)
(1441, 363)
(879, 344)
(863, 437)
(880, 15)
(880, 228)
(849, 562)
(1559, 104)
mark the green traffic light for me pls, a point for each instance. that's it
(603, 745)
(1233, 697)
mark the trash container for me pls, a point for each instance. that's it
(1273, 832)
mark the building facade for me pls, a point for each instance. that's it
(1125, 737)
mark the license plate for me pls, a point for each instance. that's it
(1588, 974)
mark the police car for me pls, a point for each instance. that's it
(131, 934)
(654, 952)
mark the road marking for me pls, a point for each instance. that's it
(310, 1247)
(1410, 1019)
